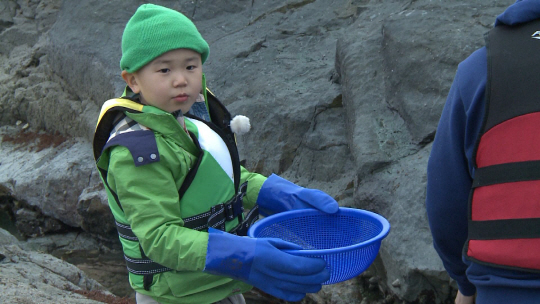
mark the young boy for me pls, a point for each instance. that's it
(169, 163)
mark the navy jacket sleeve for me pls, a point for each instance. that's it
(450, 166)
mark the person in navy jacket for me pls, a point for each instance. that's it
(450, 175)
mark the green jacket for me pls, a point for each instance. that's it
(144, 170)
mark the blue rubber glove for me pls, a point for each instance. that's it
(278, 194)
(261, 263)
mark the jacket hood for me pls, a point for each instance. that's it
(520, 12)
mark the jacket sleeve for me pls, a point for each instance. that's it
(149, 197)
(255, 182)
(450, 169)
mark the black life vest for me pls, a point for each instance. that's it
(504, 206)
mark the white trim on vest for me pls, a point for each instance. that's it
(211, 142)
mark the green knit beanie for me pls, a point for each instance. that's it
(154, 30)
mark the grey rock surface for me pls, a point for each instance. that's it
(56, 181)
(28, 277)
(343, 95)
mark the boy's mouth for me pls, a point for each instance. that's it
(181, 97)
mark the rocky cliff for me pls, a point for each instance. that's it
(343, 95)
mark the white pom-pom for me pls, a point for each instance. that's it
(240, 125)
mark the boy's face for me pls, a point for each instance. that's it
(170, 82)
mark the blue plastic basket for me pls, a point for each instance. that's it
(348, 240)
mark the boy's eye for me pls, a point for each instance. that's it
(191, 67)
(164, 70)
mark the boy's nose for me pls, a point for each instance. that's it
(179, 80)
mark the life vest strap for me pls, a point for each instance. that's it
(215, 218)
(526, 228)
(507, 173)
(140, 266)
(125, 232)
(144, 266)
(221, 213)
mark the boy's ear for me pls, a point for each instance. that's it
(131, 81)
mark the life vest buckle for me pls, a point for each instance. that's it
(242, 228)
(221, 213)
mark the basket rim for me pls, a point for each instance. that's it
(276, 217)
